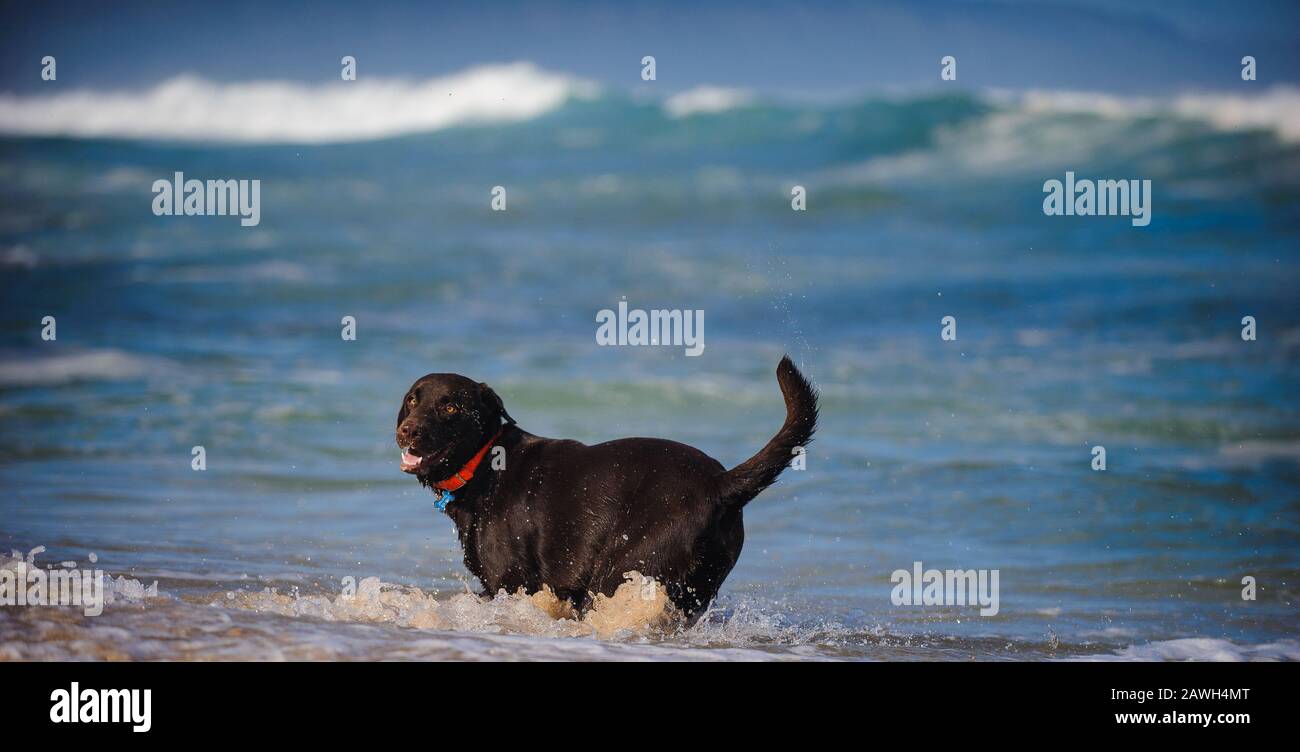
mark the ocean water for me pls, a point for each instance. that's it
(1073, 332)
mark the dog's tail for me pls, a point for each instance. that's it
(744, 481)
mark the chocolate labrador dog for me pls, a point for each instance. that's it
(532, 511)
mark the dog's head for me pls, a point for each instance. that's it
(444, 420)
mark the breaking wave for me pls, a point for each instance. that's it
(706, 100)
(1276, 109)
(189, 108)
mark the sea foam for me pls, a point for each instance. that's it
(1204, 649)
(639, 607)
(191, 108)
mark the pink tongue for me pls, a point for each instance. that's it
(409, 460)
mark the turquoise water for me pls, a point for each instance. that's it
(1072, 332)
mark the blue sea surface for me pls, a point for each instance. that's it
(1072, 333)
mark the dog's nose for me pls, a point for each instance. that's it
(407, 433)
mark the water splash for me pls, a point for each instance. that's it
(637, 609)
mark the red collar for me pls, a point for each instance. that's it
(463, 476)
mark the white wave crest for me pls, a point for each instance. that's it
(191, 108)
(1275, 109)
(1204, 649)
(703, 100)
(1021, 132)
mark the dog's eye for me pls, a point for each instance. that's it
(450, 409)
(411, 402)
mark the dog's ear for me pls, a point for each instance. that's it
(490, 398)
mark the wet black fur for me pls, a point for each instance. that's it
(578, 517)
